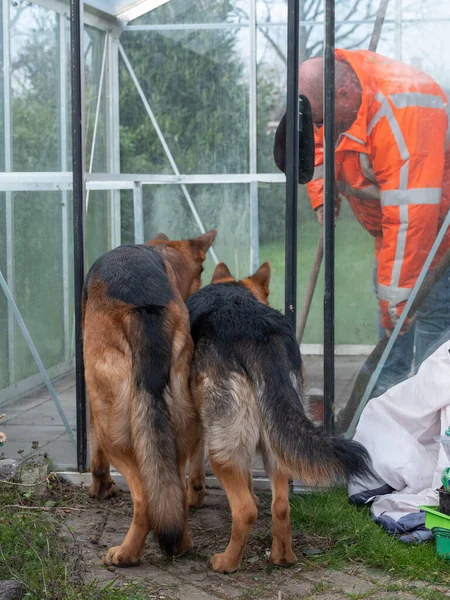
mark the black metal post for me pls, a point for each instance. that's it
(292, 159)
(76, 45)
(329, 203)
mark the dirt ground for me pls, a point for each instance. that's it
(98, 525)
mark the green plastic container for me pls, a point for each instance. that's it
(442, 542)
(434, 518)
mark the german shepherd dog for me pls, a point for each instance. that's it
(247, 384)
(138, 351)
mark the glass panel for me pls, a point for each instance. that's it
(38, 280)
(34, 88)
(4, 376)
(195, 84)
(197, 11)
(94, 43)
(127, 216)
(271, 79)
(43, 290)
(97, 225)
(271, 204)
(225, 207)
(272, 11)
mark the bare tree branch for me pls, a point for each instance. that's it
(279, 52)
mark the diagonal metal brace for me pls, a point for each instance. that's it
(37, 358)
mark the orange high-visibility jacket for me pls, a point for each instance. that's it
(390, 167)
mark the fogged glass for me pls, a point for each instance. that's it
(127, 217)
(196, 85)
(41, 261)
(34, 88)
(4, 374)
(224, 207)
(271, 209)
(197, 11)
(38, 282)
(95, 99)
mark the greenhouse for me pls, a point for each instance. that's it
(181, 102)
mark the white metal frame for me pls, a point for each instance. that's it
(10, 277)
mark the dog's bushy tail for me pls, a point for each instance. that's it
(151, 428)
(302, 448)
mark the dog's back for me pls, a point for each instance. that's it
(246, 378)
(239, 344)
(128, 352)
(247, 353)
(138, 349)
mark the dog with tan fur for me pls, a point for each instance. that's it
(247, 384)
(137, 352)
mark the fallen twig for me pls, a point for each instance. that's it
(29, 485)
(45, 508)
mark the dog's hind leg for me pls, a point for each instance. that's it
(243, 510)
(250, 487)
(129, 552)
(197, 478)
(102, 486)
(281, 554)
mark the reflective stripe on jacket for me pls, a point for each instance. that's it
(390, 167)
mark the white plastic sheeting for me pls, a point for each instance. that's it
(398, 430)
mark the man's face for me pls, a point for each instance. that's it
(345, 110)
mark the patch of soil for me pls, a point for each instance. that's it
(100, 525)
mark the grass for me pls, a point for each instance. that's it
(349, 536)
(356, 307)
(37, 549)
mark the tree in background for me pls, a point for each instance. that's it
(195, 82)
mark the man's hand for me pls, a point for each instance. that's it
(405, 327)
(319, 211)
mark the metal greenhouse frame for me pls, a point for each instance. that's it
(112, 17)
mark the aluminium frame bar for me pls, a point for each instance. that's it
(113, 137)
(211, 26)
(328, 219)
(253, 141)
(78, 166)
(36, 356)
(9, 206)
(138, 210)
(292, 162)
(57, 181)
(398, 33)
(63, 104)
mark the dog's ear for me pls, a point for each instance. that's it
(222, 274)
(161, 237)
(261, 278)
(158, 239)
(203, 242)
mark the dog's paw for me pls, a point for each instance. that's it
(120, 556)
(196, 495)
(102, 490)
(184, 546)
(220, 563)
(283, 558)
